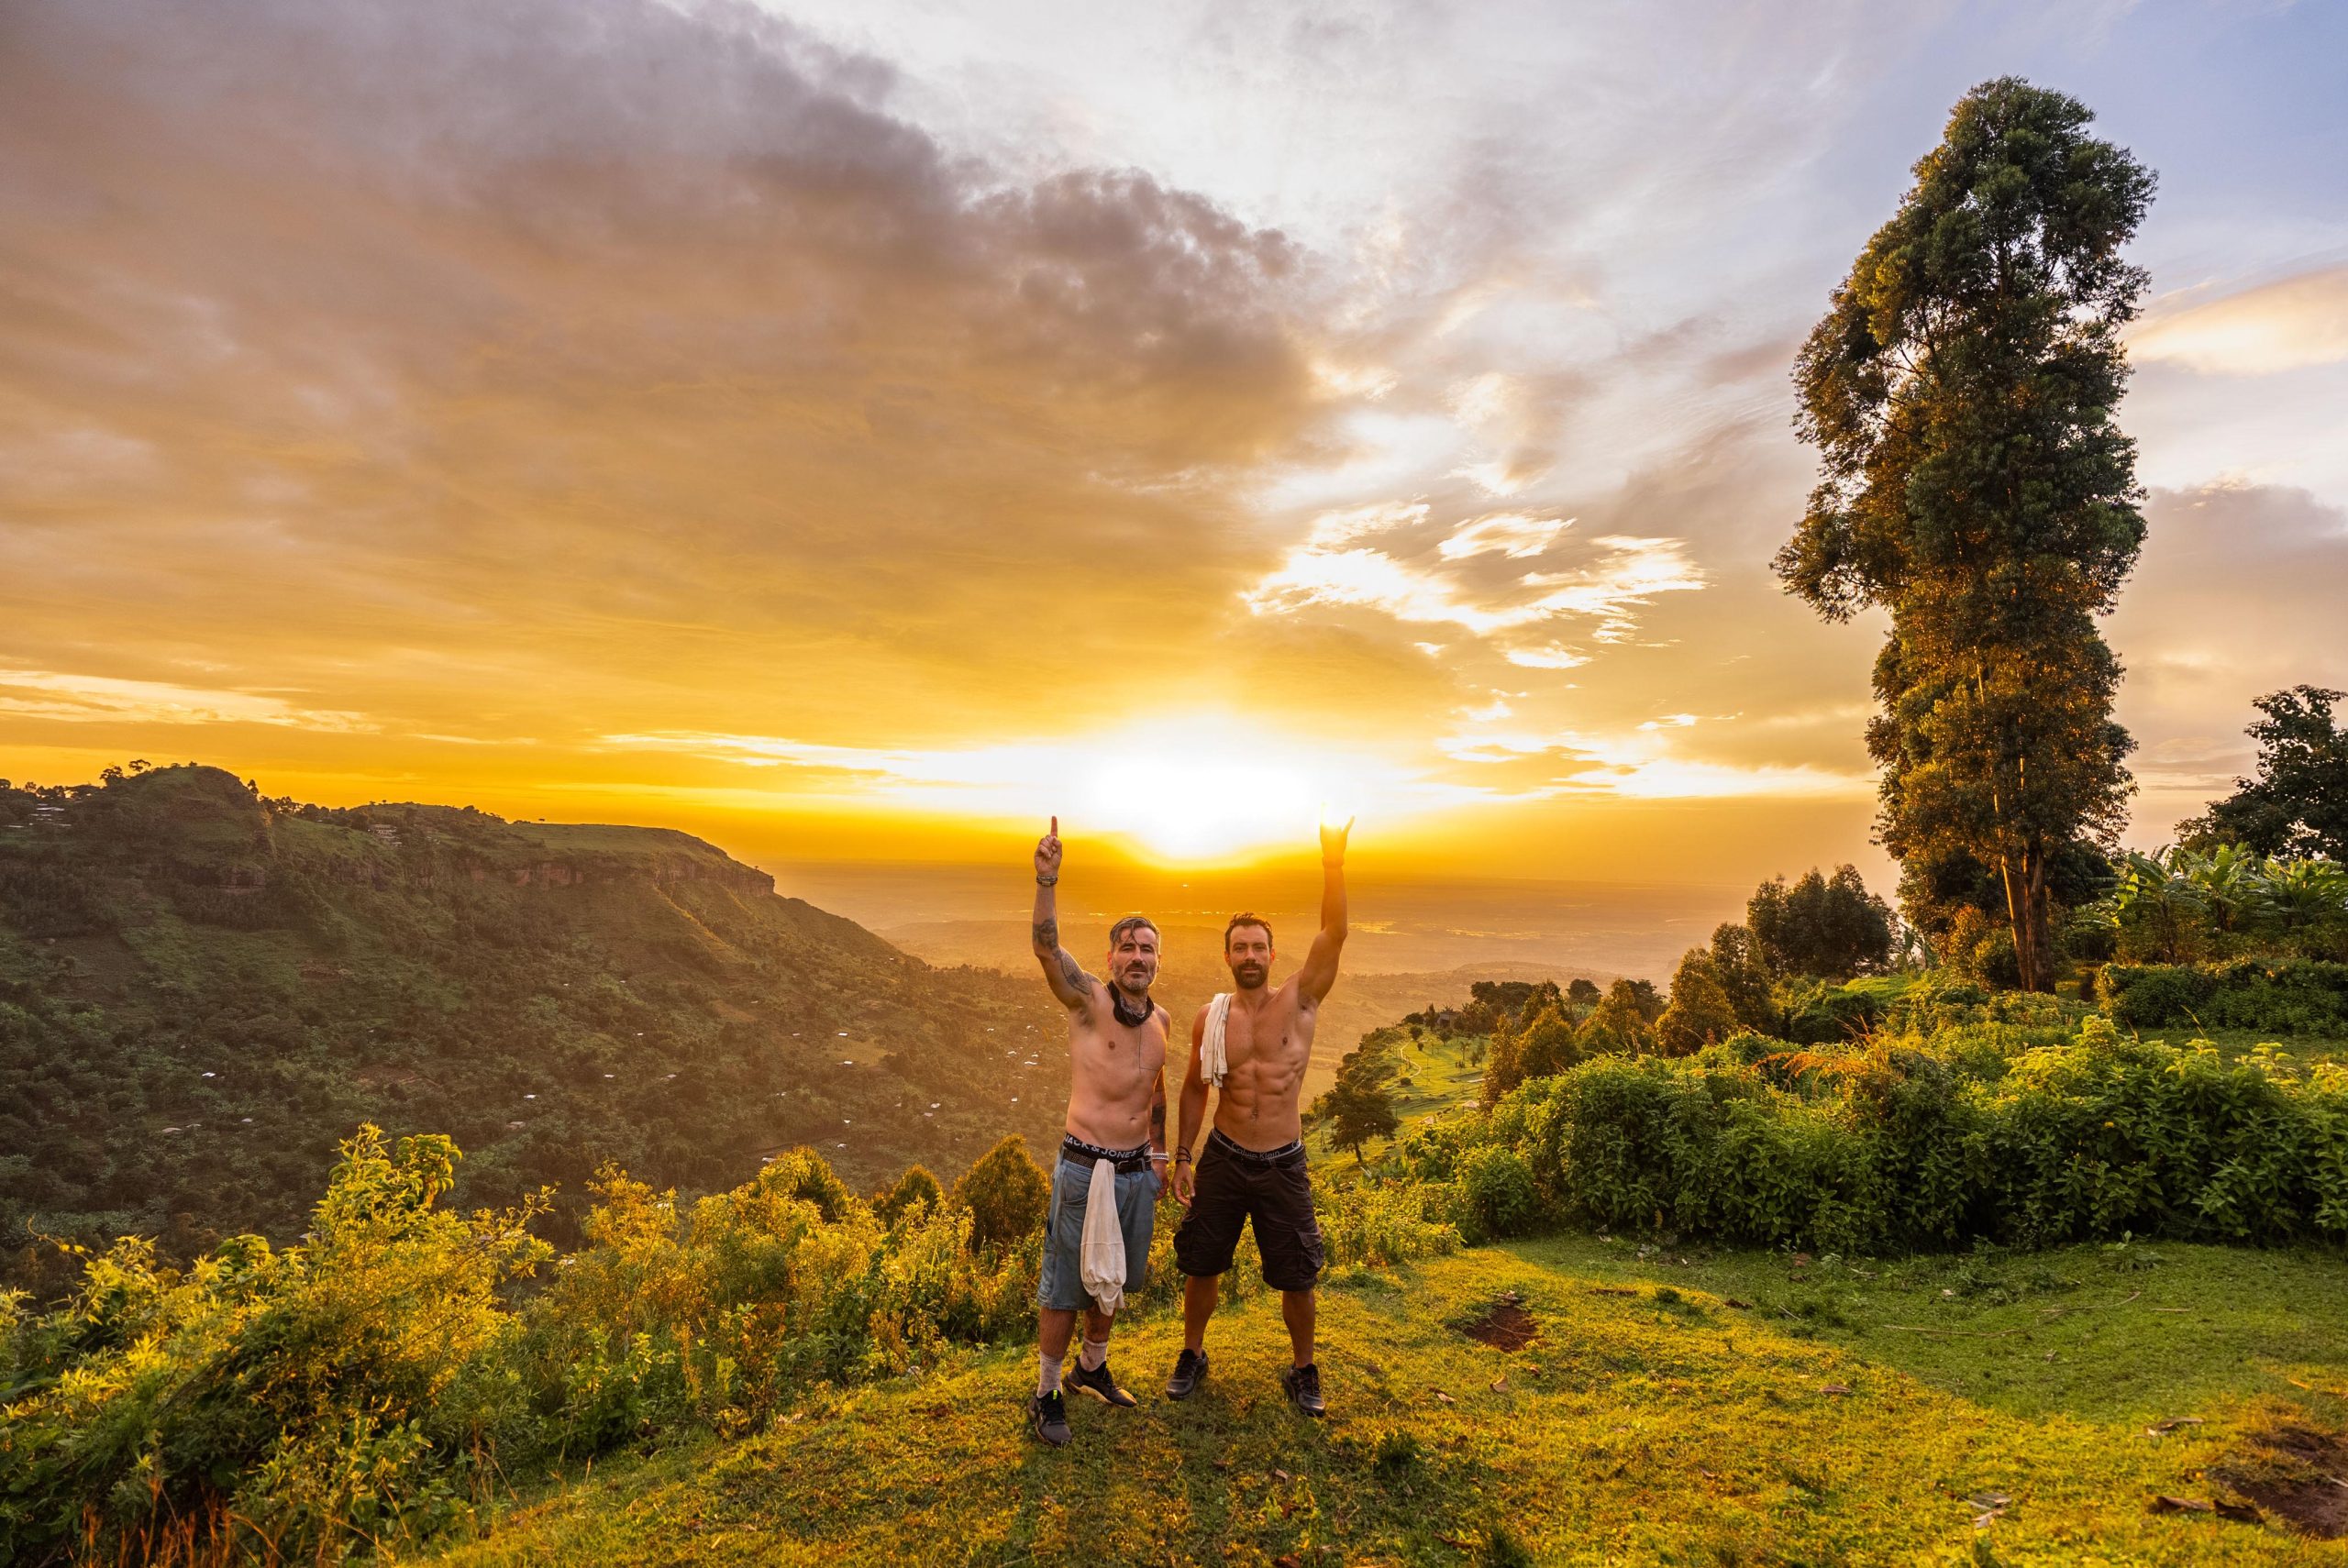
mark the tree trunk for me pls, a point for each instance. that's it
(2018, 921)
(2038, 970)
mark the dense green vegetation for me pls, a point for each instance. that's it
(399, 1377)
(2177, 905)
(373, 1385)
(1962, 391)
(201, 991)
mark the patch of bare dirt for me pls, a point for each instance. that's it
(1504, 1324)
(2295, 1473)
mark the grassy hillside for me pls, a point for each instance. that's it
(1700, 1407)
(201, 991)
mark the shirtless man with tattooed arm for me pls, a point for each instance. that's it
(1253, 1168)
(1116, 1111)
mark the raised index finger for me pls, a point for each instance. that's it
(1056, 827)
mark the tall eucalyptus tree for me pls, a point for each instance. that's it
(1961, 392)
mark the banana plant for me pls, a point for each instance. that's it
(2298, 896)
(2159, 903)
(2230, 880)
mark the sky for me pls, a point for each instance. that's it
(859, 430)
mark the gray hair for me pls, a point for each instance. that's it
(1133, 922)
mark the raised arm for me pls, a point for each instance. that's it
(1319, 975)
(1194, 1110)
(1066, 978)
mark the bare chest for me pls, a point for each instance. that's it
(1274, 1035)
(1113, 1054)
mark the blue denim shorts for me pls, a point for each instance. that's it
(1061, 1286)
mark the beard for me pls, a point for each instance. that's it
(1250, 976)
(1136, 980)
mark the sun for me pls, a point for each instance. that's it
(1199, 791)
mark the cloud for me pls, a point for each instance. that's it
(1551, 656)
(2221, 561)
(1183, 784)
(1670, 778)
(1333, 529)
(1510, 534)
(1642, 765)
(2287, 325)
(1629, 573)
(93, 699)
(630, 343)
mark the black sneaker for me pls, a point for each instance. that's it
(1100, 1385)
(1189, 1371)
(1047, 1417)
(1303, 1386)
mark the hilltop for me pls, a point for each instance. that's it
(201, 991)
(1669, 1406)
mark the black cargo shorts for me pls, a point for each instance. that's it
(1234, 1184)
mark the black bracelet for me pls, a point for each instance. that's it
(1181, 1155)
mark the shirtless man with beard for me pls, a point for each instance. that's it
(1253, 1043)
(1116, 1111)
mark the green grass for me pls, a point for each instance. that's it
(1443, 1078)
(1651, 1421)
(2235, 1044)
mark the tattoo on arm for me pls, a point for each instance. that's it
(1047, 933)
(1073, 973)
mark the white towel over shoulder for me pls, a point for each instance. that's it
(1213, 1063)
(1103, 1266)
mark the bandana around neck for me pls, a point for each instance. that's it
(1130, 1019)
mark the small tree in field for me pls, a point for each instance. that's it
(1358, 1108)
(1541, 1046)
(915, 1189)
(1006, 1192)
(1743, 975)
(1960, 391)
(1832, 929)
(1699, 1012)
(1623, 1019)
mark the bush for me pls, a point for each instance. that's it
(2145, 996)
(1497, 1194)
(1990, 1134)
(2296, 995)
(915, 1189)
(1381, 1224)
(1819, 1014)
(288, 1400)
(1006, 1192)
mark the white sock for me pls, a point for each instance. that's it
(1094, 1353)
(1048, 1373)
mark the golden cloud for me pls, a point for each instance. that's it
(2287, 325)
